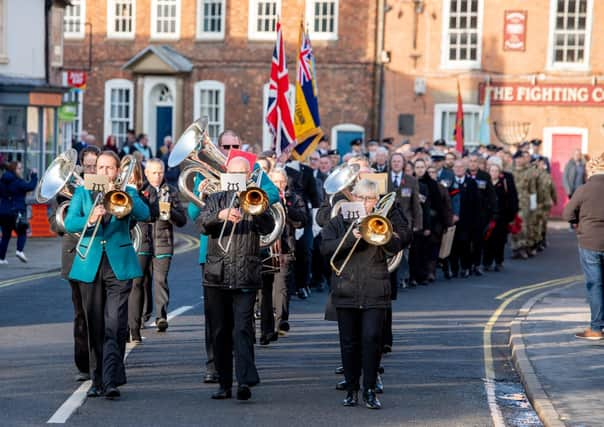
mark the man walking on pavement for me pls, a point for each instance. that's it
(585, 210)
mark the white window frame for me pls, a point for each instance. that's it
(252, 18)
(439, 109)
(447, 63)
(267, 137)
(209, 35)
(568, 66)
(310, 19)
(82, 33)
(209, 85)
(165, 36)
(117, 84)
(111, 33)
(344, 127)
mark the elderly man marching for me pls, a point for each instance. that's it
(105, 266)
(231, 278)
(158, 246)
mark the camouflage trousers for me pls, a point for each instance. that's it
(527, 236)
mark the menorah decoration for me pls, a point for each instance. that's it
(512, 132)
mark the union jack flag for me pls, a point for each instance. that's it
(278, 115)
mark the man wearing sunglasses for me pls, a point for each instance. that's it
(227, 141)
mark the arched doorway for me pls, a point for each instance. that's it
(163, 106)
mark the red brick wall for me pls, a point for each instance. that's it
(345, 69)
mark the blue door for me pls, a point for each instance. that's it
(344, 138)
(163, 126)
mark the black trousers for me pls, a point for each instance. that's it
(209, 333)
(460, 254)
(477, 249)
(231, 313)
(419, 257)
(320, 264)
(140, 303)
(267, 318)
(106, 308)
(80, 330)
(155, 270)
(495, 245)
(281, 291)
(161, 292)
(361, 344)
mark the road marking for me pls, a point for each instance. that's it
(489, 366)
(191, 243)
(78, 397)
(17, 280)
(175, 313)
(563, 280)
(70, 405)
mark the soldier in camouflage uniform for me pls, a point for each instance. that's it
(526, 185)
(546, 197)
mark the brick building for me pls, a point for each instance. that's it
(543, 59)
(156, 65)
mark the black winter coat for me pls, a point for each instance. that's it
(365, 282)
(157, 234)
(240, 267)
(487, 198)
(13, 191)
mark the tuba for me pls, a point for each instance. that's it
(61, 178)
(196, 150)
(341, 180)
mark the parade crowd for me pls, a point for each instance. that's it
(440, 214)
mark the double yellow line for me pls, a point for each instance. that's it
(507, 298)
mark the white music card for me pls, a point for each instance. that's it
(94, 182)
(233, 181)
(352, 211)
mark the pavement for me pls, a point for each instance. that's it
(44, 257)
(561, 374)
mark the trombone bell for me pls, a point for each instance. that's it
(254, 201)
(376, 230)
(118, 203)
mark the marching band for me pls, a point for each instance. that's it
(118, 240)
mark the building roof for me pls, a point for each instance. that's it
(169, 56)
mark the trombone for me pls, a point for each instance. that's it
(375, 229)
(253, 201)
(117, 202)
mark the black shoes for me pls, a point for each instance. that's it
(267, 339)
(162, 325)
(210, 378)
(371, 400)
(112, 393)
(352, 398)
(379, 385)
(339, 370)
(243, 392)
(82, 376)
(342, 385)
(498, 268)
(94, 391)
(465, 274)
(386, 349)
(478, 271)
(222, 393)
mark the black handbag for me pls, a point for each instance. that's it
(21, 222)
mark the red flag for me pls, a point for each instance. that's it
(278, 115)
(459, 122)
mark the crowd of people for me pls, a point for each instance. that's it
(447, 215)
